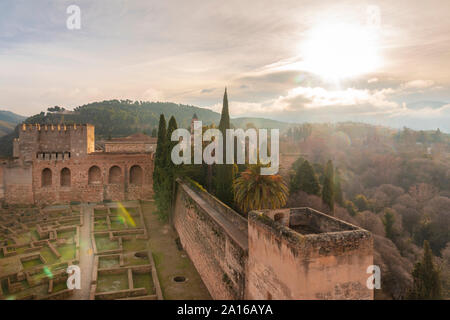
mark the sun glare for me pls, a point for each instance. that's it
(340, 51)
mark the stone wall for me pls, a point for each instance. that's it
(215, 238)
(129, 147)
(329, 261)
(82, 189)
(58, 164)
(288, 254)
(17, 184)
(78, 140)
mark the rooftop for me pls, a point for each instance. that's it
(134, 138)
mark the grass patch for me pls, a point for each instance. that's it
(132, 260)
(144, 280)
(117, 223)
(99, 212)
(48, 255)
(31, 263)
(59, 286)
(100, 224)
(67, 252)
(134, 245)
(104, 244)
(112, 282)
(108, 262)
(70, 234)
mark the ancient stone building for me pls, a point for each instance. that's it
(57, 164)
(293, 253)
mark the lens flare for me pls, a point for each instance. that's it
(48, 273)
(124, 216)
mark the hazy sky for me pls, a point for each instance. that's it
(384, 62)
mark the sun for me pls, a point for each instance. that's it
(337, 51)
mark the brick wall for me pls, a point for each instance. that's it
(215, 240)
(129, 147)
(17, 184)
(284, 264)
(81, 190)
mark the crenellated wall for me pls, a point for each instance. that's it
(52, 164)
(274, 254)
(78, 140)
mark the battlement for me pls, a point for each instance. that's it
(44, 141)
(51, 127)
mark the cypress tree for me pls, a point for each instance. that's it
(160, 155)
(294, 184)
(164, 167)
(328, 186)
(338, 196)
(308, 179)
(170, 168)
(426, 278)
(224, 178)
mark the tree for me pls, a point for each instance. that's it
(351, 208)
(328, 186)
(361, 202)
(338, 196)
(294, 183)
(388, 222)
(169, 169)
(160, 156)
(307, 178)
(426, 278)
(253, 191)
(224, 178)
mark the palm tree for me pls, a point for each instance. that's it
(253, 191)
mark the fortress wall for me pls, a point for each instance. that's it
(77, 139)
(17, 184)
(81, 189)
(215, 238)
(129, 147)
(284, 264)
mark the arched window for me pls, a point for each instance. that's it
(136, 175)
(115, 175)
(46, 177)
(94, 175)
(65, 177)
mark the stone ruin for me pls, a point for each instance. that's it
(36, 247)
(124, 267)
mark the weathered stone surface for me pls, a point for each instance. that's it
(57, 164)
(266, 256)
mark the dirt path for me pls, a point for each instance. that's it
(171, 261)
(86, 255)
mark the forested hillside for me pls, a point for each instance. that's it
(394, 183)
(8, 121)
(117, 118)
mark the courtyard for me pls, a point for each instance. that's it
(124, 251)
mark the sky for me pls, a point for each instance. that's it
(381, 62)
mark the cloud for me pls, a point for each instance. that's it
(372, 80)
(310, 98)
(207, 90)
(418, 84)
(317, 104)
